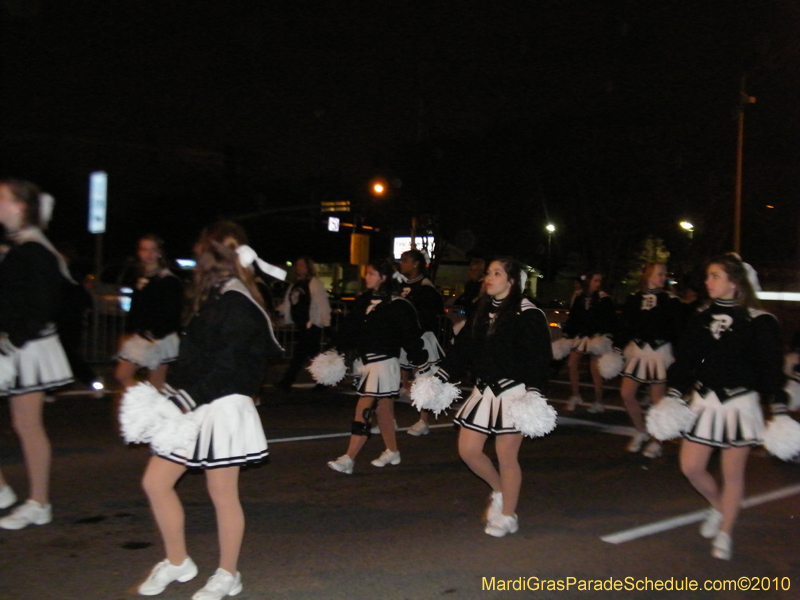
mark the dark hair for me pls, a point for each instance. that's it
(226, 232)
(417, 257)
(311, 266)
(217, 262)
(29, 194)
(647, 272)
(386, 269)
(508, 305)
(159, 242)
(736, 271)
(587, 279)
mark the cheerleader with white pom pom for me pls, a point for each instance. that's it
(32, 359)
(506, 345)
(589, 328)
(380, 324)
(648, 325)
(730, 356)
(209, 420)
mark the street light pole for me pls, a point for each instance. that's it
(744, 99)
(550, 229)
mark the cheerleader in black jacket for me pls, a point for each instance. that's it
(154, 319)
(590, 316)
(507, 348)
(32, 361)
(378, 327)
(220, 368)
(729, 357)
(420, 291)
(648, 325)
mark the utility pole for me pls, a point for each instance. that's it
(744, 100)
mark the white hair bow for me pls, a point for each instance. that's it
(523, 279)
(46, 203)
(248, 256)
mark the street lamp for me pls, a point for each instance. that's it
(688, 227)
(550, 230)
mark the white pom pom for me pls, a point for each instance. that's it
(138, 412)
(669, 418)
(433, 394)
(792, 390)
(599, 345)
(8, 372)
(328, 368)
(531, 414)
(610, 365)
(782, 437)
(562, 348)
(174, 429)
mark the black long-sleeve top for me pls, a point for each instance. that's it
(426, 300)
(518, 351)
(30, 292)
(156, 305)
(224, 347)
(590, 314)
(378, 327)
(726, 348)
(649, 317)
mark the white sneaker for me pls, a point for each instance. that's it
(653, 450)
(495, 507)
(165, 573)
(419, 428)
(219, 585)
(343, 464)
(30, 513)
(376, 430)
(597, 407)
(387, 457)
(710, 527)
(573, 403)
(500, 526)
(7, 496)
(637, 441)
(722, 546)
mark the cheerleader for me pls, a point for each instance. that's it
(378, 327)
(32, 359)
(648, 325)
(729, 356)
(219, 370)
(591, 318)
(507, 347)
(154, 319)
(420, 291)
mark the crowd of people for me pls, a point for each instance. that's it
(192, 362)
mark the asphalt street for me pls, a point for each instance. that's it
(590, 514)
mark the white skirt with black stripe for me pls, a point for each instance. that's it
(230, 435)
(149, 353)
(485, 412)
(646, 365)
(737, 421)
(434, 349)
(39, 365)
(380, 379)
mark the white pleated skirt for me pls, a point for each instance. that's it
(39, 365)
(431, 344)
(150, 354)
(737, 421)
(581, 344)
(230, 435)
(380, 379)
(646, 365)
(485, 412)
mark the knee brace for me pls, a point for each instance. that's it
(361, 428)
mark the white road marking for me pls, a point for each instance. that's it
(694, 517)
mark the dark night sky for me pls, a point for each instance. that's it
(612, 115)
